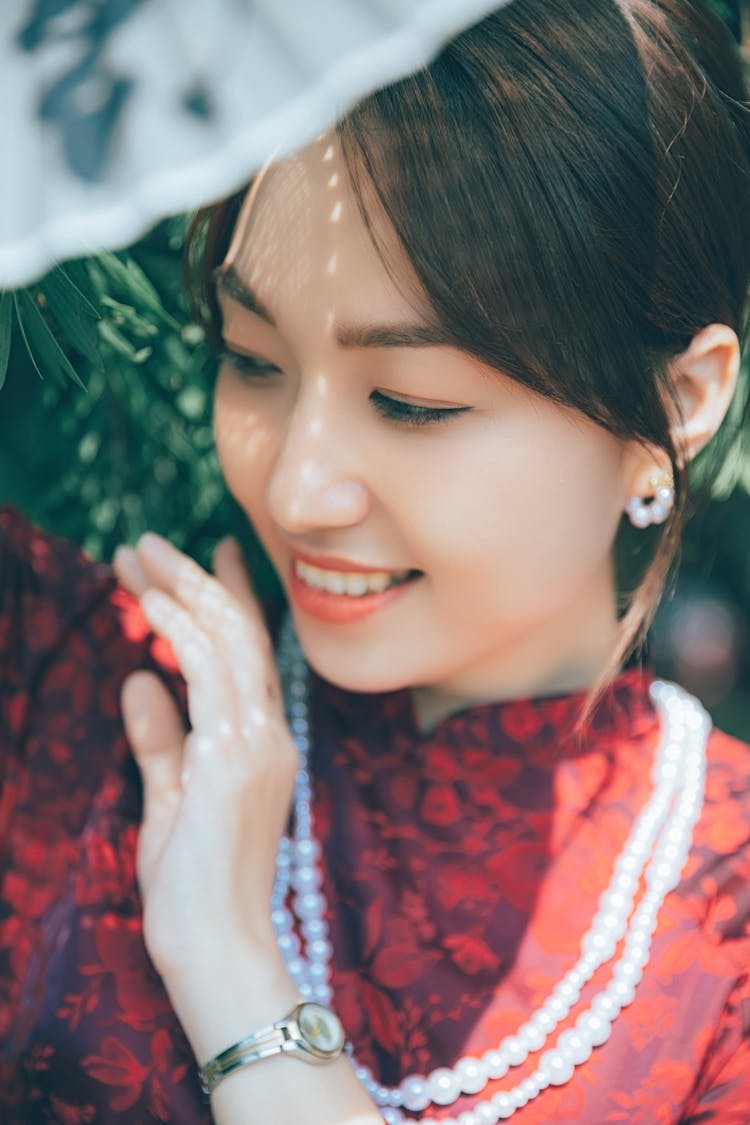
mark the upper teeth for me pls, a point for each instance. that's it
(341, 582)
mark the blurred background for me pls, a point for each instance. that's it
(105, 431)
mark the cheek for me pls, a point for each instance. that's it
(525, 514)
(244, 443)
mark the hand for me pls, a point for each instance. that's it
(216, 799)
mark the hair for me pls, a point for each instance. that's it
(571, 182)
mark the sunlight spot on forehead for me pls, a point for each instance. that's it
(330, 322)
(332, 263)
(329, 153)
(336, 212)
(334, 180)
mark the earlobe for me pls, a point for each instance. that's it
(704, 378)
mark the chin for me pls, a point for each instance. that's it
(364, 671)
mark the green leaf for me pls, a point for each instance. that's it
(6, 308)
(73, 311)
(44, 351)
(131, 279)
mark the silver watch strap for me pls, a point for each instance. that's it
(261, 1045)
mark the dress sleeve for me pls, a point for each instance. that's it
(87, 1033)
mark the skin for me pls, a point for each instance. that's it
(509, 509)
(517, 594)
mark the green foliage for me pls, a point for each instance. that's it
(134, 449)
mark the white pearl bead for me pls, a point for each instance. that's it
(543, 1021)
(320, 950)
(305, 879)
(311, 905)
(314, 929)
(519, 1097)
(530, 1087)
(628, 970)
(443, 1086)
(556, 1008)
(574, 1046)
(532, 1037)
(288, 943)
(392, 1117)
(496, 1063)
(484, 1113)
(593, 1027)
(468, 1117)
(606, 1006)
(414, 1093)
(472, 1074)
(600, 946)
(503, 1105)
(296, 967)
(568, 991)
(623, 993)
(556, 1067)
(513, 1049)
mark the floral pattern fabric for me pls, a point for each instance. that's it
(462, 869)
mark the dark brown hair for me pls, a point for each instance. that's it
(571, 181)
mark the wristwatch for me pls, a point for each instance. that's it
(310, 1031)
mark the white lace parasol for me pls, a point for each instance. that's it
(117, 113)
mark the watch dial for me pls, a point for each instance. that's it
(320, 1027)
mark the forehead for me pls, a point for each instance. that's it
(300, 237)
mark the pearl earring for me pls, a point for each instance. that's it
(644, 513)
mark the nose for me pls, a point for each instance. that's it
(314, 484)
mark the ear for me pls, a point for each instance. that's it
(704, 378)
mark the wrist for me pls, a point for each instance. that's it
(229, 993)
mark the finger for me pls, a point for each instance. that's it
(129, 571)
(211, 702)
(231, 572)
(240, 638)
(155, 732)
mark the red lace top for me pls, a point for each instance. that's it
(462, 867)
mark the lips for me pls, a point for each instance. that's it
(342, 591)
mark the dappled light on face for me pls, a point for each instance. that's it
(239, 432)
(268, 247)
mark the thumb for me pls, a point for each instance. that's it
(155, 732)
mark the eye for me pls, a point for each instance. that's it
(410, 414)
(251, 366)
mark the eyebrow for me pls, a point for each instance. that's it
(347, 336)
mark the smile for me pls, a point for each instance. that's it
(340, 596)
(350, 584)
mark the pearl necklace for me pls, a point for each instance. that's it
(655, 851)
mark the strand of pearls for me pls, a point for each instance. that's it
(656, 851)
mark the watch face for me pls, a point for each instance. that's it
(321, 1028)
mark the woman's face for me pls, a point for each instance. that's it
(434, 524)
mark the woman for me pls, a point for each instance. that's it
(494, 310)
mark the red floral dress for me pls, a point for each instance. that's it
(462, 869)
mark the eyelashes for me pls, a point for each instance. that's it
(393, 409)
(250, 365)
(396, 410)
